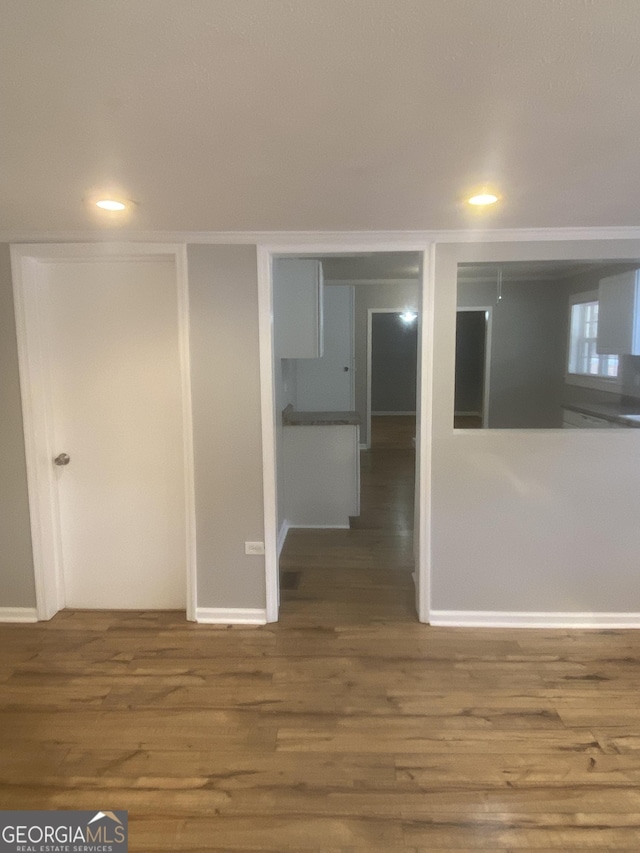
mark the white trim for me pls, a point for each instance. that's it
(488, 344)
(18, 614)
(424, 444)
(184, 328)
(337, 241)
(364, 446)
(26, 261)
(268, 418)
(282, 536)
(319, 527)
(518, 619)
(231, 616)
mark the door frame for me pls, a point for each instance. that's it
(422, 529)
(370, 313)
(486, 385)
(27, 261)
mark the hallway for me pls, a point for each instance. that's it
(360, 575)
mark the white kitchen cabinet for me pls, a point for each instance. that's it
(297, 307)
(321, 475)
(327, 383)
(619, 314)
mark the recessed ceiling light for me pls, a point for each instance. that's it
(408, 317)
(111, 204)
(482, 199)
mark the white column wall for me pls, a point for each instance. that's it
(528, 520)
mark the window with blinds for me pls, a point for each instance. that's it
(584, 360)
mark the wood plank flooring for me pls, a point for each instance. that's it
(347, 727)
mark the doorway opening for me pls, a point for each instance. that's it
(473, 364)
(392, 364)
(346, 472)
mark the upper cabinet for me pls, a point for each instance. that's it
(297, 307)
(619, 314)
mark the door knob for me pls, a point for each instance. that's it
(62, 459)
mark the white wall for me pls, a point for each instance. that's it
(528, 520)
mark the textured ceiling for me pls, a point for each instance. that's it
(319, 114)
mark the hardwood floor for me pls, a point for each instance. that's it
(345, 727)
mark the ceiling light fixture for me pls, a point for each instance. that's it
(111, 204)
(408, 317)
(482, 199)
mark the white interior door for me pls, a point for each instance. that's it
(114, 356)
(326, 384)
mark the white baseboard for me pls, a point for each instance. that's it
(508, 619)
(391, 414)
(18, 614)
(364, 447)
(282, 536)
(319, 527)
(231, 616)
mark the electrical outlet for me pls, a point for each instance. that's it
(254, 548)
